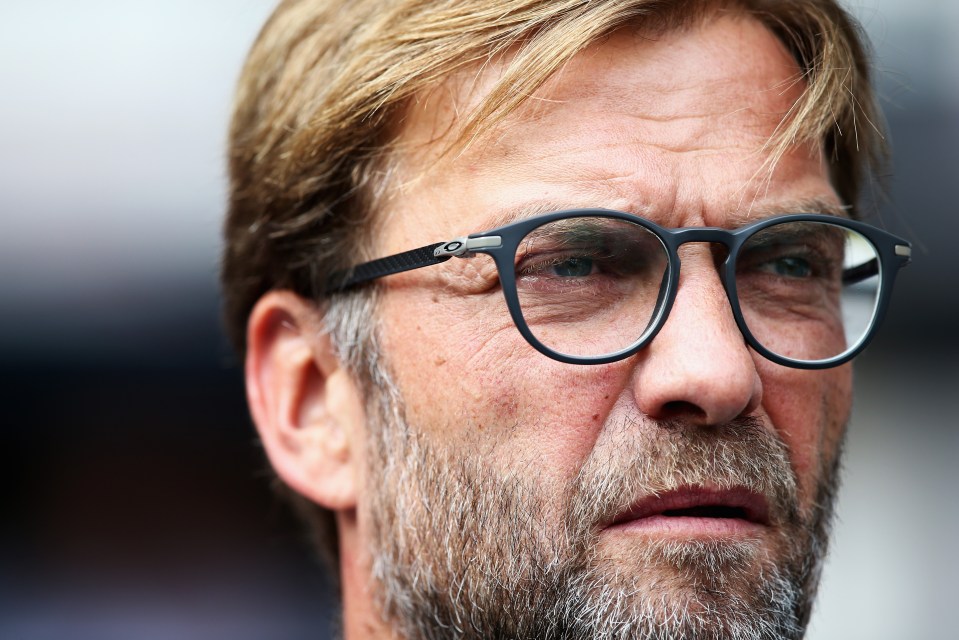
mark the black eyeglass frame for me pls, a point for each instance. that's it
(501, 244)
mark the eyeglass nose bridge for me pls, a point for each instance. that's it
(711, 235)
(674, 239)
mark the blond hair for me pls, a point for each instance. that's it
(326, 83)
(326, 79)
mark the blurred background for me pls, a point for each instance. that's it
(133, 497)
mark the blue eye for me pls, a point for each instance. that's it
(573, 268)
(789, 267)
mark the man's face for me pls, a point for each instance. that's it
(675, 486)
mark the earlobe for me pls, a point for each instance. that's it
(306, 407)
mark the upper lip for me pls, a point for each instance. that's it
(736, 502)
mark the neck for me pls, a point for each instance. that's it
(361, 619)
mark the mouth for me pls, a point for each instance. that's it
(696, 512)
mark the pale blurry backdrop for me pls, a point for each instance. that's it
(134, 502)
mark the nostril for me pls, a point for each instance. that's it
(682, 409)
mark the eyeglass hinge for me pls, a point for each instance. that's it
(463, 247)
(904, 250)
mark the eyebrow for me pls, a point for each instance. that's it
(735, 219)
(508, 215)
(783, 207)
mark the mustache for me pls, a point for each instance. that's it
(639, 459)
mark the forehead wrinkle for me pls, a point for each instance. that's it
(660, 104)
(636, 99)
(706, 141)
(704, 135)
(775, 86)
(648, 130)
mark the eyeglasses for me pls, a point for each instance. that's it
(592, 286)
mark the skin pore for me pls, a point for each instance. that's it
(487, 484)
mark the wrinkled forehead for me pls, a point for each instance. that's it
(746, 88)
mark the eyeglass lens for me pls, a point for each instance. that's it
(808, 290)
(593, 286)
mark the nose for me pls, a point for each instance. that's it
(698, 367)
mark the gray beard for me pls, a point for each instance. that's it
(462, 550)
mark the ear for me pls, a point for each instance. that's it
(307, 408)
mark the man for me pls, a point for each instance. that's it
(548, 306)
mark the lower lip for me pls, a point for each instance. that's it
(689, 527)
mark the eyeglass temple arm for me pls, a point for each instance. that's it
(398, 263)
(871, 268)
(408, 260)
(860, 273)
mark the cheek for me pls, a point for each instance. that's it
(470, 380)
(809, 410)
(439, 348)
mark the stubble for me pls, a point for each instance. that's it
(463, 550)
